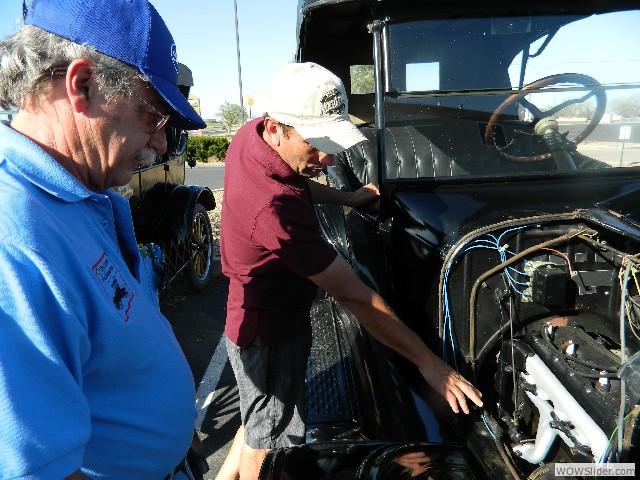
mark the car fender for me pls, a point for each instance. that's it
(166, 211)
(183, 201)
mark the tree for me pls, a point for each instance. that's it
(231, 114)
(361, 78)
(626, 107)
(580, 109)
(586, 109)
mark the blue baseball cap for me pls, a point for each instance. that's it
(131, 31)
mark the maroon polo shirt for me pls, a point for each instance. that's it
(270, 242)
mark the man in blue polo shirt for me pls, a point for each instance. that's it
(93, 383)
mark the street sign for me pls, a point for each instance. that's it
(625, 133)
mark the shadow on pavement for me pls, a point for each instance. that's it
(197, 319)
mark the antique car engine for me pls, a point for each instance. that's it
(554, 319)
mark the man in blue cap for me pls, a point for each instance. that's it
(93, 383)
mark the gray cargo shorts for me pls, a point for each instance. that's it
(271, 389)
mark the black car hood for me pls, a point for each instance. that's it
(437, 216)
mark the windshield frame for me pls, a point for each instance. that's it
(391, 97)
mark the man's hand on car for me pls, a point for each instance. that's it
(367, 195)
(451, 385)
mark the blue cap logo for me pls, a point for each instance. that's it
(174, 57)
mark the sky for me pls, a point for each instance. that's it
(205, 36)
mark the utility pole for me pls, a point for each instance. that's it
(235, 11)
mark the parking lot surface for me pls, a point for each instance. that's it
(198, 322)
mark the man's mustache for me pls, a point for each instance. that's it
(146, 156)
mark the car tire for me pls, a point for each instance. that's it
(200, 249)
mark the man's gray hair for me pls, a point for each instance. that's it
(30, 57)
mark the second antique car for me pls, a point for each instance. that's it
(170, 214)
(505, 140)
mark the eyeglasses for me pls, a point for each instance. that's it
(58, 71)
(162, 118)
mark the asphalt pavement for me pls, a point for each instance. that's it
(207, 174)
(198, 322)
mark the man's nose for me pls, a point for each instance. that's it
(326, 159)
(158, 141)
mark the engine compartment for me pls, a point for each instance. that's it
(546, 314)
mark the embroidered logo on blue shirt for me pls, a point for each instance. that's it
(114, 286)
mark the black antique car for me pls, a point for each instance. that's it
(169, 213)
(505, 140)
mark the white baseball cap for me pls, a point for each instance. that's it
(313, 100)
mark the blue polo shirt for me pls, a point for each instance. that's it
(91, 374)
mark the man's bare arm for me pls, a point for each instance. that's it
(321, 193)
(376, 316)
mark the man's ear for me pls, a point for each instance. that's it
(80, 84)
(270, 125)
(271, 134)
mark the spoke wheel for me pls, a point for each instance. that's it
(201, 249)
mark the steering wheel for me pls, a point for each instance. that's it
(595, 90)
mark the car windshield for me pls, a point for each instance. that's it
(450, 95)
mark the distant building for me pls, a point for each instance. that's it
(195, 103)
